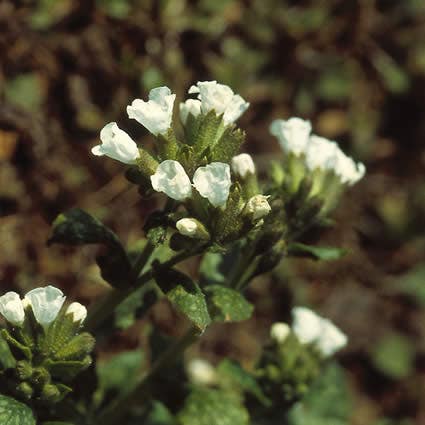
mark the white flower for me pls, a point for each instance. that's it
(78, 311)
(310, 328)
(258, 207)
(279, 332)
(12, 309)
(192, 228)
(201, 372)
(221, 99)
(191, 106)
(348, 171)
(293, 134)
(171, 178)
(242, 165)
(213, 182)
(45, 303)
(155, 114)
(116, 144)
(331, 340)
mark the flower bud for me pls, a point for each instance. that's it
(201, 372)
(191, 106)
(23, 370)
(155, 114)
(243, 165)
(257, 207)
(50, 393)
(279, 332)
(192, 228)
(25, 390)
(12, 309)
(78, 312)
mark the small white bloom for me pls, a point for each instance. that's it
(242, 165)
(45, 303)
(201, 372)
(279, 332)
(78, 311)
(221, 99)
(258, 207)
(191, 106)
(116, 144)
(155, 114)
(213, 182)
(12, 309)
(192, 228)
(348, 171)
(331, 339)
(293, 134)
(307, 325)
(171, 178)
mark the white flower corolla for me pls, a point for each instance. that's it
(321, 153)
(213, 182)
(192, 228)
(311, 328)
(221, 99)
(201, 372)
(155, 114)
(243, 165)
(331, 339)
(293, 134)
(45, 303)
(116, 144)
(258, 207)
(78, 311)
(307, 325)
(171, 178)
(190, 106)
(348, 171)
(12, 309)
(279, 331)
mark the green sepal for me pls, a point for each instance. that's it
(7, 361)
(184, 294)
(209, 126)
(23, 370)
(146, 163)
(67, 369)
(24, 390)
(227, 305)
(191, 128)
(54, 393)
(77, 348)
(325, 253)
(168, 146)
(14, 412)
(228, 145)
(16, 348)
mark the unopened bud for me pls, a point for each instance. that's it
(201, 372)
(78, 312)
(243, 165)
(192, 228)
(25, 390)
(257, 207)
(279, 332)
(23, 370)
(50, 393)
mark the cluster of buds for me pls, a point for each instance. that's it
(199, 167)
(46, 346)
(293, 361)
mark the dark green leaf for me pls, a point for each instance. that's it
(206, 134)
(228, 145)
(7, 361)
(227, 305)
(14, 412)
(326, 253)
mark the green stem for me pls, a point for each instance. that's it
(143, 258)
(118, 410)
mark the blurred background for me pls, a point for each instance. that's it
(356, 69)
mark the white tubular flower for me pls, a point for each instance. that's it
(155, 114)
(258, 207)
(221, 99)
(12, 309)
(171, 178)
(348, 171)
(201, 372)
(213, 182)
(192, 228)
(78, 311)
(242, 165)
(307, 325)
(191, 106)
(293, 134)
(321, 153)
(45, 303)
(331, 340)
(116, 144)
(279, 332)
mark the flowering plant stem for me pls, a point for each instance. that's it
(114, 413)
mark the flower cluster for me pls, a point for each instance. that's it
(311, 329)
(318, 153)
(201, 165)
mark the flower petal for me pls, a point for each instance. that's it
(293, 134)
(12, 309)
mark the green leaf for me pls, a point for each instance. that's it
(159, 415)
(228, 145)
(394, 356)
(227, 305)
(232, 371)
(15, 413)
(325, 253)
(210, 268)
(207, 130)
(213, 407)
(7, 361)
